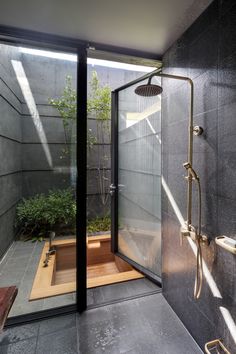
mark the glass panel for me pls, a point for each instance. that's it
(139, 178)
(37, 176)
(103, 77)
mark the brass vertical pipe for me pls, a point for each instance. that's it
(190, 143)
(190, 157)
(191, 174)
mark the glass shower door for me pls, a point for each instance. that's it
(136, 179)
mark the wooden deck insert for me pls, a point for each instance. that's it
(103, 268)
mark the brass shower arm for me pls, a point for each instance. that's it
(170, 76)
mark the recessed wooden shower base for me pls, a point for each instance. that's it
(103, 268)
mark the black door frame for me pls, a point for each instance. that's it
(115, 182)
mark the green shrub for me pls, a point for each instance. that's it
(99, 224)
(38, 215)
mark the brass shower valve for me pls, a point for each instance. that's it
(188, 233)
(205, 240)
(192, 233)
(184, 232)
(190, 177)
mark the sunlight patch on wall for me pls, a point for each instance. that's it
(229, 322)
(29, 100)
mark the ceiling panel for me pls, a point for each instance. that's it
(150, 26)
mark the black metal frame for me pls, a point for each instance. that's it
(16, 36)
(81, 219)
(41, 41)
(114, 171)
(40, 315)
(114, 178)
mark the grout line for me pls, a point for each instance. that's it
(10, 173)
(92, 307)
(9, 208)
(11, 139)
(10, 89)
(6, 255)
(10, 104)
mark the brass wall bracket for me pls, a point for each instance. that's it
(192, 233)
(184, 232)
(215, 344)
(197, 130)
(205, 240)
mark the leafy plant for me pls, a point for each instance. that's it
(39, 215)
(67, 108)
(99, 100)
(99, 103)
(99, 224)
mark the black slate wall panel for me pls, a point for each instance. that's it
(206, 53)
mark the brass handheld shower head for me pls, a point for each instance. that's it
(189, 168)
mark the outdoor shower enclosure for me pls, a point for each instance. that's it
(35, 161)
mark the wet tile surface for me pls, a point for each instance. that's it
(144, 325)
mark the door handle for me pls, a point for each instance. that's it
(121, 187)
(112, 189)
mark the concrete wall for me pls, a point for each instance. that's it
(32, 135)
(10, 145)
(206, 53)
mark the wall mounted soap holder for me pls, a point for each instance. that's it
(216, 345)
(229, 244)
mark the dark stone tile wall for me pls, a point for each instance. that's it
(207, 54)
(10, 146)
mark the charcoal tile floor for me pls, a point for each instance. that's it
(145, 325)
(19, 267)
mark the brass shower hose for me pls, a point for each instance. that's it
(199, 270)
